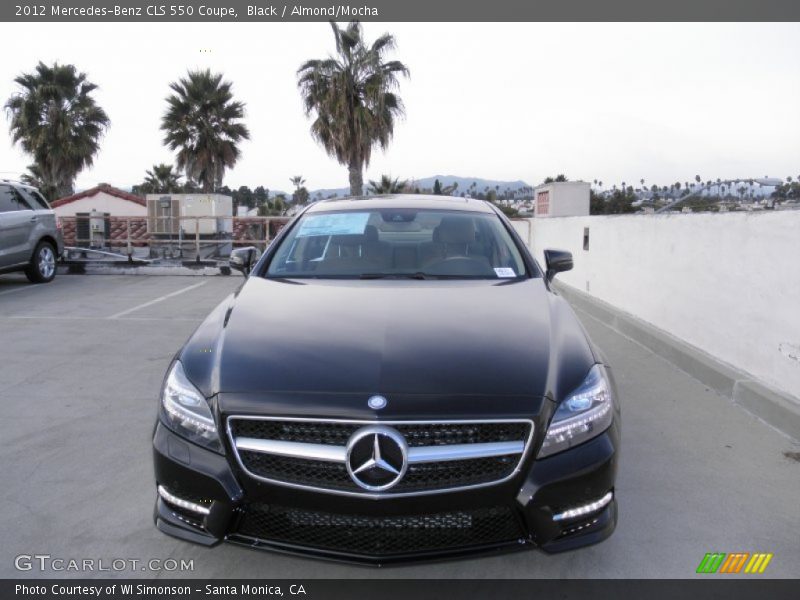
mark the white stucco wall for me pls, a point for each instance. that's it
(566, 198)
(728, 284)
(102, 202)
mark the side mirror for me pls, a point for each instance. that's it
(243, 259)
(557, 261)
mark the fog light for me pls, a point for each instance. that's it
(181, 503)
(586, 509)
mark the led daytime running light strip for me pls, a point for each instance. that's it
(572, 423)
(181, 503)
(579, 511)
(185, 415)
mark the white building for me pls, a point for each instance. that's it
(561, 199)
(104, 199)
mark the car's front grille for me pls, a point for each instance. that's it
(334, 476)
(314, 473)
(377, 537)
(441, 455)
(416, 434)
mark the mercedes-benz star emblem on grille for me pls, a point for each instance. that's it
(376, 402)
(377, 457)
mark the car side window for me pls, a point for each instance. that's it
(34, 199)
(10, 201)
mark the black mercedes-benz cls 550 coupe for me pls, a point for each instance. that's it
(395, 379)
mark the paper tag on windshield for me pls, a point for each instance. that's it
(348, 223)
(504, 272)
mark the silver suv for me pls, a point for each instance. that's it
(30, 234)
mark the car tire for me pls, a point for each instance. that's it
(42, 267)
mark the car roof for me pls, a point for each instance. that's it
(15, 183)
(395, 201)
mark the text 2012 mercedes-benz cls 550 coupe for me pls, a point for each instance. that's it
(394, 380)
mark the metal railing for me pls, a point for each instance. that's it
(194, 236)
(181, 237)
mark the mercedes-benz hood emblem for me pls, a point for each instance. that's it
(377, 457)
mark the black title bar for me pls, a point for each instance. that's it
(389, 589)
(398, 10)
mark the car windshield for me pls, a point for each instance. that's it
(398, 243)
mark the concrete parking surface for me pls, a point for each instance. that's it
(81, 362)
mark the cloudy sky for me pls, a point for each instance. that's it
(616, 102)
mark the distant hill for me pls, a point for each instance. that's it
(464, 184)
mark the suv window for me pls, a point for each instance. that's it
(10, 200)
(34, 199)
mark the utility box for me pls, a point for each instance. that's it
(92, 229)
(171, 214)
(561, 199)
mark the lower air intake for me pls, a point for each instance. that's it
(369, 536)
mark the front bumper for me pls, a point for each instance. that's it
(227, 505)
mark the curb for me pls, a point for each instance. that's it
(779, 410)
(96, 269)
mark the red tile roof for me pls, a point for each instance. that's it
(103, 187)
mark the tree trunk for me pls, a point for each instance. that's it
(356, 179)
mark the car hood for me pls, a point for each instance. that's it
(327, 339)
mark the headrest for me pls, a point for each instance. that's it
(371, 233)
(455, 230)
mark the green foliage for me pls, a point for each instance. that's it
(161, 179)
(509, 211)
(386, 185)
(558, 178)
(437, 188)
(617, 203)
(261, 195)
(787, 191)
(352, 97)
(597, 204)
(300, 194)
(55, 119)
(35, 177)
(202, 123)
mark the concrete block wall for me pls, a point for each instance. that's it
(727, 284)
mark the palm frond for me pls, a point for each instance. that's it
(351, 96)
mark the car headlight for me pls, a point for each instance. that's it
(584, 414)
(186, 412)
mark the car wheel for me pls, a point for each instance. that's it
(43, 264)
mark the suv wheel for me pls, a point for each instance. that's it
(43, 264)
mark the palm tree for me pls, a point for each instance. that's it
(55, 120)
(161, 179)
(387, 185)
(300, 194)
(202, 123)
(352, 96)
(34, 177)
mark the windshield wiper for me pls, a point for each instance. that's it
(418, 275)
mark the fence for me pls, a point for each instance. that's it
(170, 236)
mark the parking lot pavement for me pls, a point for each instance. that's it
(81, 362)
